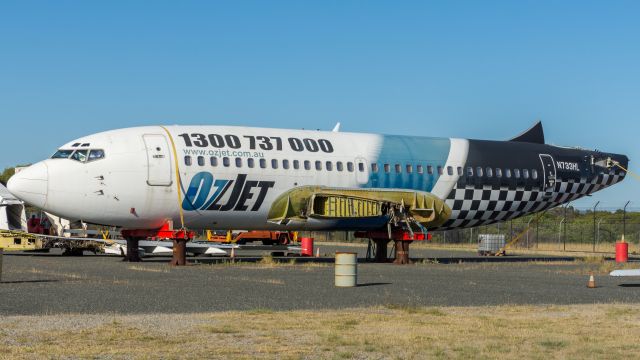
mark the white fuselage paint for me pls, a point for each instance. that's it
(143, 177)
(129, 188)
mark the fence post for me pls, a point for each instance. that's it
(624, 218)
(537, 232)
(594, 225)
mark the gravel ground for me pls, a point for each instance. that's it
(52, 284)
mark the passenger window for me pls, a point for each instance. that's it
(498, 172)
(449, 170)
(525, 173)
(274, 163)
(409, 169)
(507, 173)
(263, 163)
(430, 169)
(374, 167)
(238, 162)
(339, 166)
(479, 171)
(350, 166)
(250, 163)
(469, 171)
(214, 161)
(398, 168)
(318, 165)
(226, 162)
(200, 160)
(96, 154)
(79, 155)
(296, 164)
(62, 154)
(419, 169)
(489, 172)
(440, 170)
(329, 165)
(361, 167)
(187, 160)
(534, 174)
(285, 164)
(307, 165)
(516, 173)
(459, 170)
(387, 168)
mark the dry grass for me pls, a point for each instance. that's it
(75, 277)
(393, 331)
(269, 262)
(554, 248)
(164, 270)
(599, 266)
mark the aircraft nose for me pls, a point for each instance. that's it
(31, 184)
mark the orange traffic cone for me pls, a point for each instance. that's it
(592, 282)
(233, 252)
(317, 252)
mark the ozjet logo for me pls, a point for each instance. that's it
(199, 195)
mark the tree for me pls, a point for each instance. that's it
(6, 174)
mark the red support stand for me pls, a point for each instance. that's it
(402, 239)
(179, 237)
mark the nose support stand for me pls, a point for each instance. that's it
(179, 238)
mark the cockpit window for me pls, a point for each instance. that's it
(62, 154)
(96, 154)
(80, 155)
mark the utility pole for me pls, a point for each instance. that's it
(594, 226)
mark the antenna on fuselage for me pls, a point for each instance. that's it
(336, 128)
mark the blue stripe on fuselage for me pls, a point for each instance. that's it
(411, 150)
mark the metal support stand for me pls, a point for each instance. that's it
(402, 252)
(380, 255)
(179, 237)
(179, 253)
(379, 240)
(377, 250)
(132, 254)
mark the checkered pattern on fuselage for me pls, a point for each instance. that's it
(476, 205)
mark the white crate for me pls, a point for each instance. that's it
(490, 243)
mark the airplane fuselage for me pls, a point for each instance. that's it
(227, 177)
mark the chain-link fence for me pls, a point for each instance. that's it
(560, 229)
(550, 234)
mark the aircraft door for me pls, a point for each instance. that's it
(548, 172)
(361, 167)
(158, 160)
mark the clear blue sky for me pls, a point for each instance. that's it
(477, 69)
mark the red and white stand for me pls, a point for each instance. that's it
(179, 238)
(402, 239)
